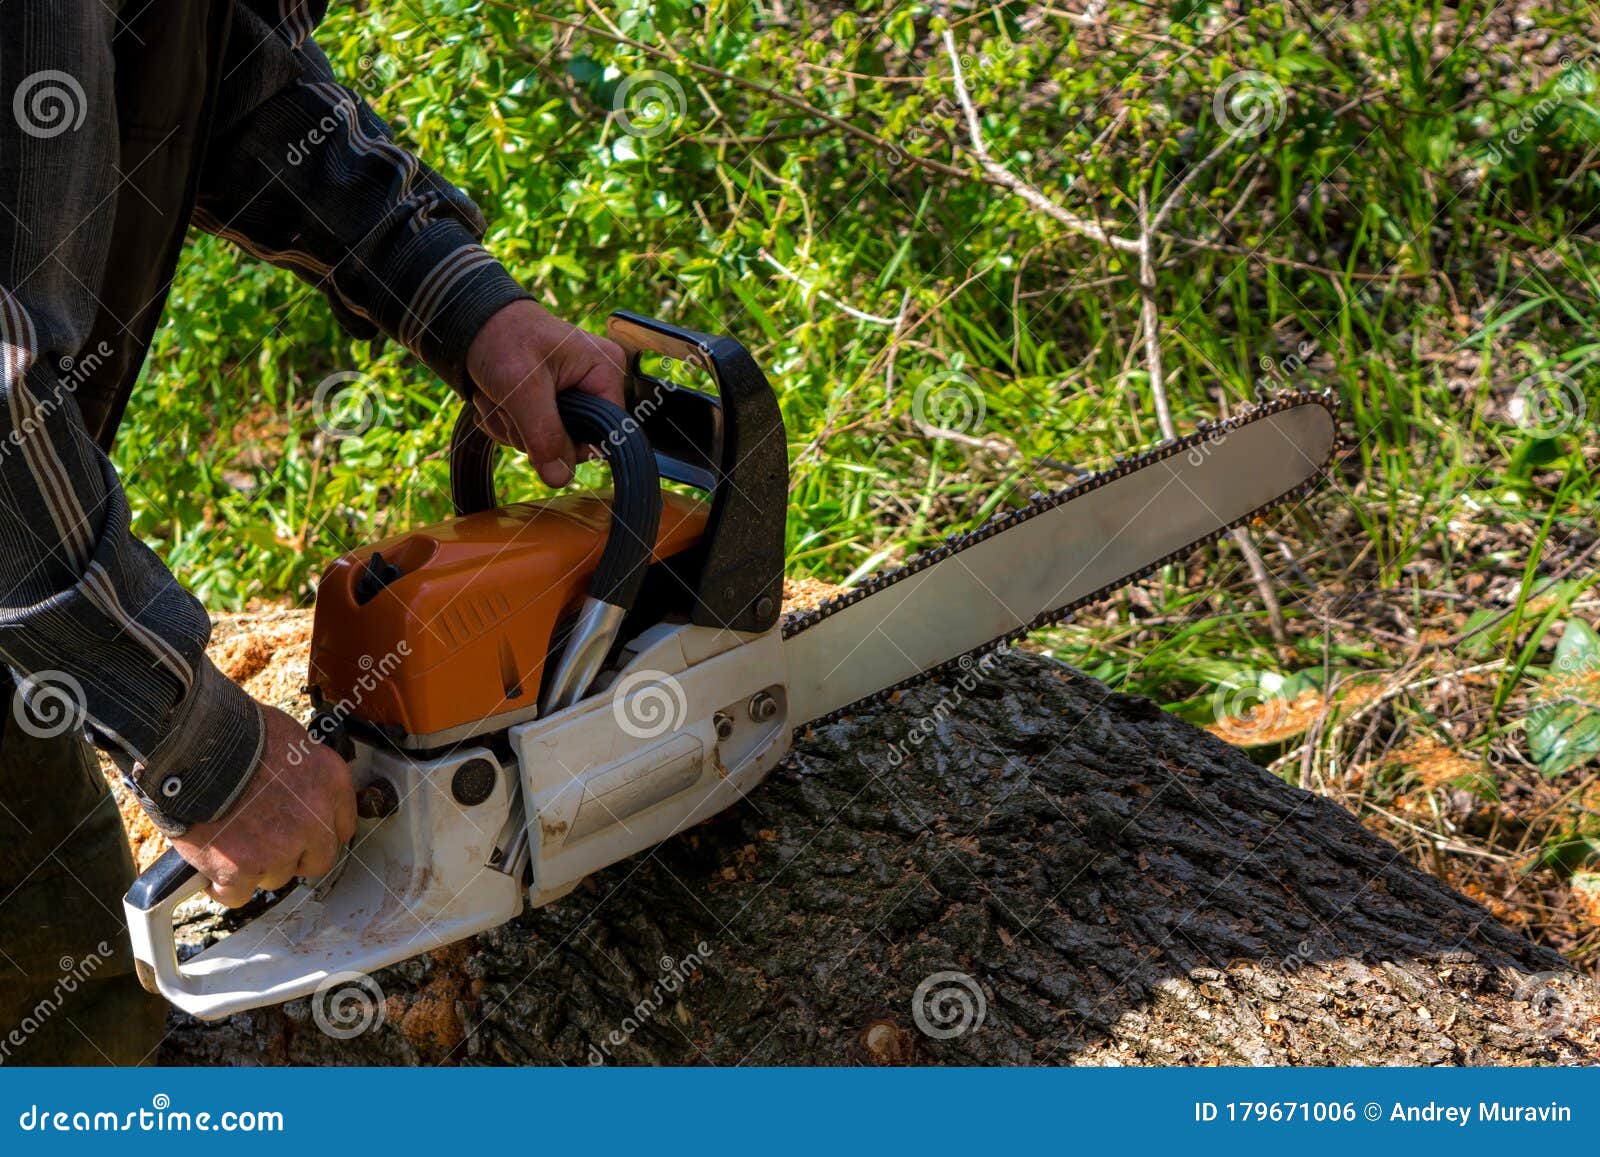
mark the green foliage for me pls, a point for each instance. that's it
(1564, 724)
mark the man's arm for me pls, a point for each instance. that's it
(302, 173)
(91, 621)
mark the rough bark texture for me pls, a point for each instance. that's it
(1113, 885)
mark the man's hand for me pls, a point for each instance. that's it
(520, 360)
(297, 812)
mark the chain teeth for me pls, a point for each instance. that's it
(998, 523)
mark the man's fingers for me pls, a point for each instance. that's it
(496, 423)
(344, 818)
(605, 377)
(544, 438)
(278, 878)
(234, 894)
(319, 858)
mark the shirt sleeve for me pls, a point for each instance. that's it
(302, 173)
(97, 633)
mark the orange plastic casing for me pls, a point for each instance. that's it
(462, 635)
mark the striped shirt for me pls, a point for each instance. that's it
(298, 171)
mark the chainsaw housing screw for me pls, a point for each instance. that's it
(377, 800)
(473, 782)
(762, 707)
(724, 724)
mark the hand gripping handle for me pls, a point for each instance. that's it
(636, 501)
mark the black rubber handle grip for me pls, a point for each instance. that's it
(160, 880)
(636, 485)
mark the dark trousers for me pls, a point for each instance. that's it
(68, 994)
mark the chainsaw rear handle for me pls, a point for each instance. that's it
(159, 889)
(636, 486)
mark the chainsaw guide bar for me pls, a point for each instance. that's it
(1208, 433)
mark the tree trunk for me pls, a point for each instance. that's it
(1017, 868)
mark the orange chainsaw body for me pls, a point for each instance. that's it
(459, 629)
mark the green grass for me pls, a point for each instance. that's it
(1415, 224)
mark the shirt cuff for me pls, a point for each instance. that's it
(209, 754)
(449, 287)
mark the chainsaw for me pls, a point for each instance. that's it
(530, 692)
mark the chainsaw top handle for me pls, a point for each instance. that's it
(636, 486)
(729, 444)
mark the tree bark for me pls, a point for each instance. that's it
(1014, 867)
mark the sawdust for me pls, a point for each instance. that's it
(802, 594)
(431, 1017)
(266, 654)
(1270, 722)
